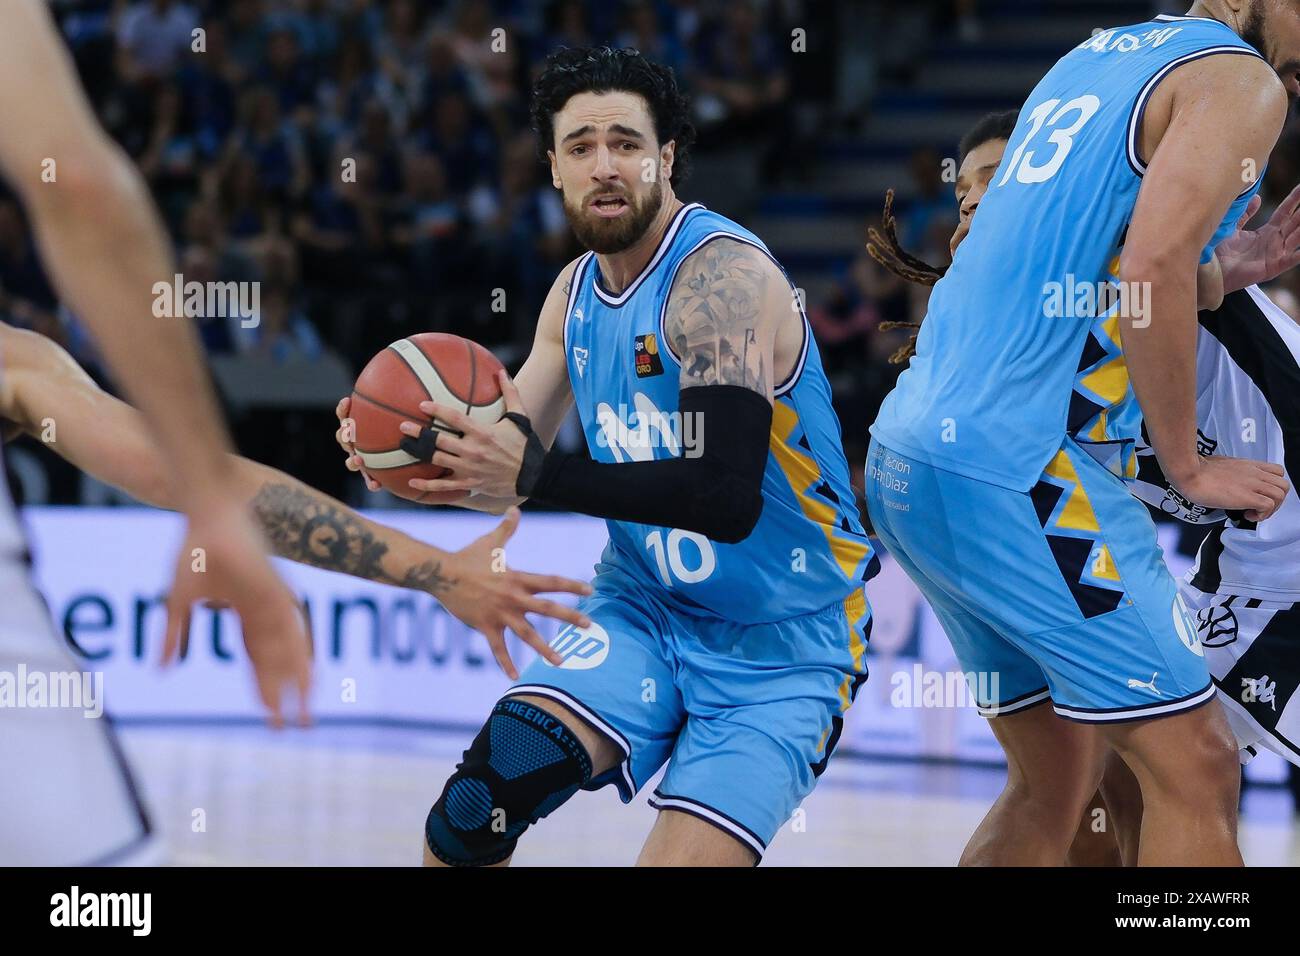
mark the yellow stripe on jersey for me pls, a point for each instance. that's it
(1110, 328)
(1110, 382)
(821, 744)
(1103, 566)
(1077, 515)
(803, 473)
(855, 608)
(845, 687)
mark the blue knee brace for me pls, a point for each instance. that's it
(523, 764)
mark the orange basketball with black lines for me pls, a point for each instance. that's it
(431, 366)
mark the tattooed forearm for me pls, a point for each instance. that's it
(310, 528)
(714, 318)
(426, 577)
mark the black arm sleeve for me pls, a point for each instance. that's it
(714, 488)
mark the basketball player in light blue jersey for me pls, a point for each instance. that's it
(998, 468)
(1262, 339)
(729, 621)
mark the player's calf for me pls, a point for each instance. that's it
(1190, 777)
(525, 762)
(1095, 841)
(1053, 769)
(1123, 800)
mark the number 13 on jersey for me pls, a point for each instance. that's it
(1050, 116)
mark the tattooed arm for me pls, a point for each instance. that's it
(722, 319)
(306, 526)
(725, 313)
(48, 396)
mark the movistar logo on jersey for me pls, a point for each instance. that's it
(635, 433)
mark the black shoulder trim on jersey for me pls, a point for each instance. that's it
(1144, 97)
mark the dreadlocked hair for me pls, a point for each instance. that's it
(884, 247)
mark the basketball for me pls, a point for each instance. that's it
(431, 366)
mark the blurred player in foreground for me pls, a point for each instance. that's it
(729, 623)
(66, 787)
(1245, 598)
(68, 796)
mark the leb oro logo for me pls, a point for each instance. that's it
(581, 647)
(648, 362)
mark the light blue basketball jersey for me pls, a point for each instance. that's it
(1016, 353)
(809, 549)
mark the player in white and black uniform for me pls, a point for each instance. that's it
(1245, 587)
(102, 821)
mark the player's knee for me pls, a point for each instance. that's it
(1060, 807)
(1064, 790)
(1056, 800)
(1204, 770)
(1213, 766)
(523, 764)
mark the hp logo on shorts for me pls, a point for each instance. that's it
(582, 648)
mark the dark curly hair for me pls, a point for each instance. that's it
(575, 70)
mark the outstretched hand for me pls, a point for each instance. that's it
(1251, 257)
(490, 598)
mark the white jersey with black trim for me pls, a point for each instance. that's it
(68, 797)
(1247, 406)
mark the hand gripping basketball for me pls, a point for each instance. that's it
(483, 459)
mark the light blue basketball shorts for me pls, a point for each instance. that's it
(745, 715)
(1060, 593)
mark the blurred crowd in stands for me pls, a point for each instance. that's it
(370, 164)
